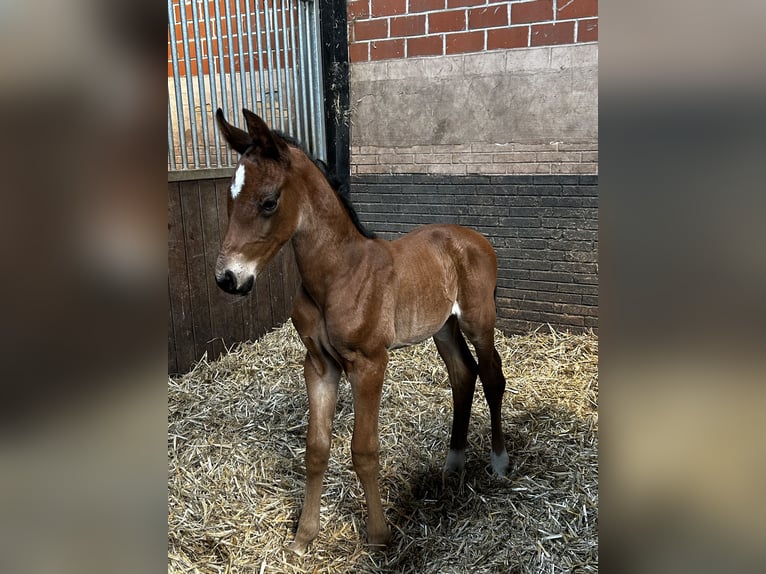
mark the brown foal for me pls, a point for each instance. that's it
(360, 297)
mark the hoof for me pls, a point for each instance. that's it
(380, 538)
(298, 547)
(500, 463)
(455, 463)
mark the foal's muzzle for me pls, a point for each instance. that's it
(228, 282)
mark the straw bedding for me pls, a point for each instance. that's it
(236, 441)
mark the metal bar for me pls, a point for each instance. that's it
(251, 68)
(321, 150)
(201, 82)
(242, 66)
(171, 145)
(285, 55)
(259, 42)
(232, 82)
(177, 85)
(222, 73)
(269, 67)
(294, 53)
(211, 78)
(189, 85)
(280, 96)
(304, 73)
(312, 100)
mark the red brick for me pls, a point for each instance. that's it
(358, 9)
(516, 37)
(387, 49)
(536, 11)
(426, 5)
(451, 21)
(587, 30)
(388, 7)
(408, 26)
(492, 17)
(549, 34)
(370, 30)
(576, 9)
(426, 46)
(465, 42)
(459, 3)
(357, 51)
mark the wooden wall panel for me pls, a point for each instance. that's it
(202, 318)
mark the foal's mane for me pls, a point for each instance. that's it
(341, 189)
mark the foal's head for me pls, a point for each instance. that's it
(261, 216)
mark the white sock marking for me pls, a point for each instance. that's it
(499, 462)
(239, 181)
(455, 461)
(456, 310)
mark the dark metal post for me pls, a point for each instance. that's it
(335, 66)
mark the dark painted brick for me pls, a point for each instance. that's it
(584, 190)
(557, 276)
(520, 221)
(571, 245)
(544, 190)
(588, 279)
(418, 178)
(521, 263)
(472, 220)
(565, 319)
(461, 199)
(581, 310)
(544, 229)
(578, 288)
(514, 325)
(546, 306)
(517, 294)
(588, 180)
(560, 179)
(574, 267)
(559, 297)
(581, 234)
(486, 210)
(516, 200)
(569, 201)
(525, 314)
(537, 285)
(510, 180)
(395, 178)
(469, 179)
(529, 243)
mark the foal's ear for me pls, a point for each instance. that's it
(238, 139)
(262, 138)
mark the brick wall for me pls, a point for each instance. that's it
(485, 113)
(390, 29)
(544, 230)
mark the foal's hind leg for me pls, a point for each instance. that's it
(479, 327)
(462, 371)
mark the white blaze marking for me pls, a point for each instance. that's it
(239, 181)
(456, 309)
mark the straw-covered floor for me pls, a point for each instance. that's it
(236, 435)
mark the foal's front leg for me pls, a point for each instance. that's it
(322, 376)
(366, 377)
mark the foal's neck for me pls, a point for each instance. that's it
(326, 240)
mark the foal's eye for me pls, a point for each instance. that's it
(269, 206)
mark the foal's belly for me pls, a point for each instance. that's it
(414, 326)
